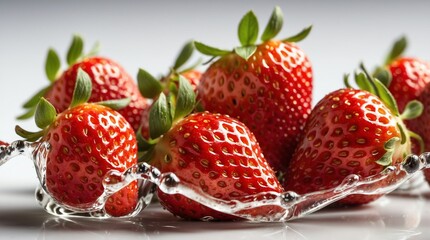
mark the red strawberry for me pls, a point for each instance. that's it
(150, 87)
(408, 79)
(266, 86)
(349, 132)
(210, 152)
(420, 125)
(410, 76)
(405, 77)
(110, 81)
(86, 141)
(3, 143)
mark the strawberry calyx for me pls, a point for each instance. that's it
(46, 114)
(248, 32)
(151, 87)
(396, 51)
(53, 70)
(165, 112)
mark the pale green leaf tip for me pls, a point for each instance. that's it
(83, 88)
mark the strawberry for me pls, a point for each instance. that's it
(211, 153)
(421, 128)
(86, 141)
(267, 86)
(150, 87)
(3, 143)
(408, 79)
(405, 77)
(350, 131)
(110, 81)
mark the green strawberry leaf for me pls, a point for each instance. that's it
(116, 104)
(419, 139)
(248, 29)
(160, 119)
(364, 83)
(45, 113)
(412, 110)
(28, 114)
(385, 95)
(149, 86)
(299, 36)
(245, 52)
(346, 81)
(75, 50)
(387, 158)
(184, 55)
(397, 50)
(383, 75)
(274, 25)
(94, 50)
(30, 136)
(171, 98)
(83, 88)
(186, 99)
(52, 65)
(34, 100)
(210, 51)
(402, 133)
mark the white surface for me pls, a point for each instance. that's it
(149, 34)
(398, 216)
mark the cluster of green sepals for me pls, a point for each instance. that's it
(413, 109)
(397, 50)
(151, 87)
(248, 32)
(75, 53)
(165, 112)
(45, 112)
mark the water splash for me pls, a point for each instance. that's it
(290, 204)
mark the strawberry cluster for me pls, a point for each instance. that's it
(243, 126)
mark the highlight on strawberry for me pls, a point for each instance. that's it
(86, 141)
(352, 131)
(209, 152)
(150, 87)
(267, 85)
(110, 81)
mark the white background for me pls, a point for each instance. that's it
(149, 34)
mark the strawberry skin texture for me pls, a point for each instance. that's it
(271, 93)
(85, 143)
(219, 156)
(410, 76)
(109, 80)
(345, 134)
